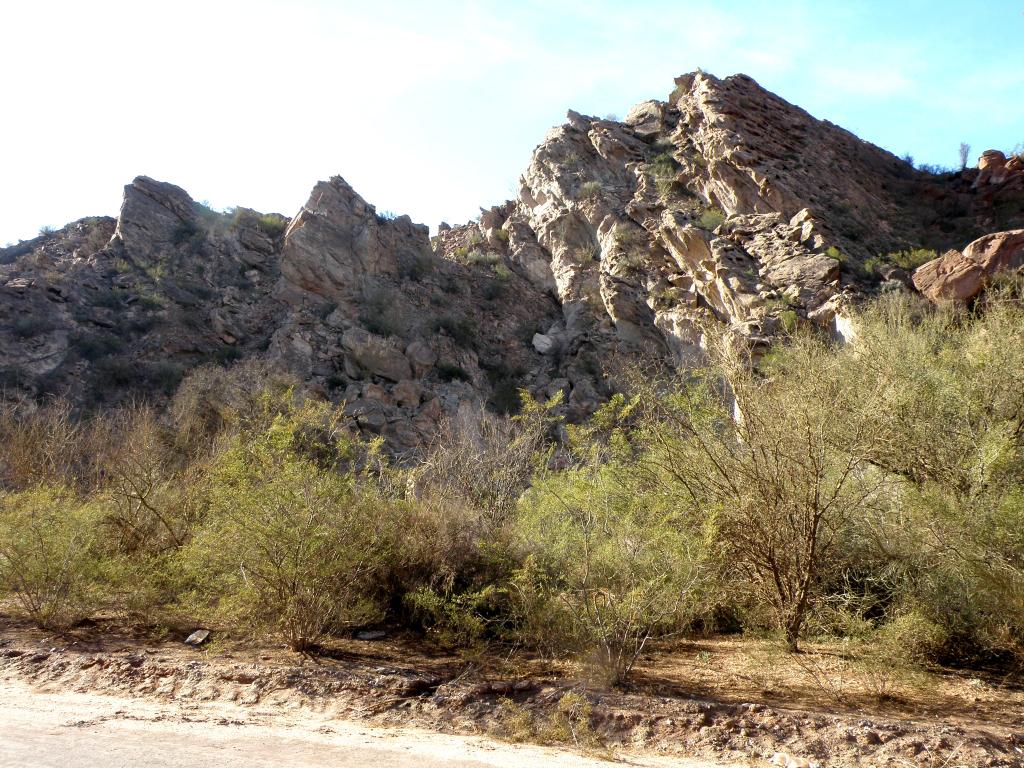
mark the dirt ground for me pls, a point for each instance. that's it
(722, 700)
(56, 729)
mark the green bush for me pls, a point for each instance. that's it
(711, 218)
(452, 372)
(912, 638)
(478, 258)
(48, 561)
(493, 289)
(461, 329)
(291, 543)
(607, 567)
(27, 327)
(663, 168)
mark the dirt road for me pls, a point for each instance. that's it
(52, 728)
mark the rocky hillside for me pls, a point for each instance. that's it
(724, 205)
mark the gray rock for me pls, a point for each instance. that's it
(197, 638)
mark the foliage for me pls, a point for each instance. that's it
(290, 542)
(452, 372)
(608, 565)
(382, 311)
(460, 328)
(47, 555)
(909, 259)
(32, 325)
(663, 168)
(710, 218)
(873, 492)
(782, 476)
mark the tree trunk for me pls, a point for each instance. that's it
(792, 630)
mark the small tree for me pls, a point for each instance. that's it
(294, 533)
(965, 154)
(607, 566)
(47, 557)
(783, 473)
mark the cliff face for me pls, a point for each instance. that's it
(722, 205)
(727, 203)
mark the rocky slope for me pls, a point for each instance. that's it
(722, 206)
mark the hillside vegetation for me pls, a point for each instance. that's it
(872, 491)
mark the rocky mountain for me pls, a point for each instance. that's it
(723, 205)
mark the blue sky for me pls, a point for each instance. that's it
(432, 109)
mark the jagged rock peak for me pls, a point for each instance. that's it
(720, 207)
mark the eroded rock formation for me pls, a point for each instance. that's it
(722, 206)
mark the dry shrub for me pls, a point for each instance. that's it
(48, 560)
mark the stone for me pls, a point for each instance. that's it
(786, 760)
(957, 277)
(376, 355)
(197, 638)
(371, 635)
(407, 393)
(337, 240)
(611, 248)
(421, 357)
(544, 344)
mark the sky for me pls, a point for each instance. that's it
(433, 108)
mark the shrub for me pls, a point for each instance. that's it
(591, 190)
(452, 372)
(607, 567)
(454, 619)
(486, 462)
(27, 327)
(711, 218)
(911, 259)
(47, 556)
(14, 377)
(462, 329)
(493, 289)
(912, 638)
(92, 346)
(663, 168)
(788, 319)
(382, 312)
(417, 266)
(271, 224)
(505, 397)
(783, 517)
(478, 258)
(291, 543)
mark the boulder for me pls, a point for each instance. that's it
(156, 219)
(991, 168)
(407, 393)
(337, 240)
(421, 357)
(375, 355)
(957, 277)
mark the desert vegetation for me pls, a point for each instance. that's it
(871, 493)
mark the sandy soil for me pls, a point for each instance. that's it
(56, 729)
(725, 701)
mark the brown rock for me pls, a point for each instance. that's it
(990, 159)
(376, 355)
(959, 277)
(407, 393)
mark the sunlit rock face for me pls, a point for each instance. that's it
(720, 208)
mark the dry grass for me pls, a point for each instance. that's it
(827, 675)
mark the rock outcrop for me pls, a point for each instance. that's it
(957, 277)
(722, 206)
